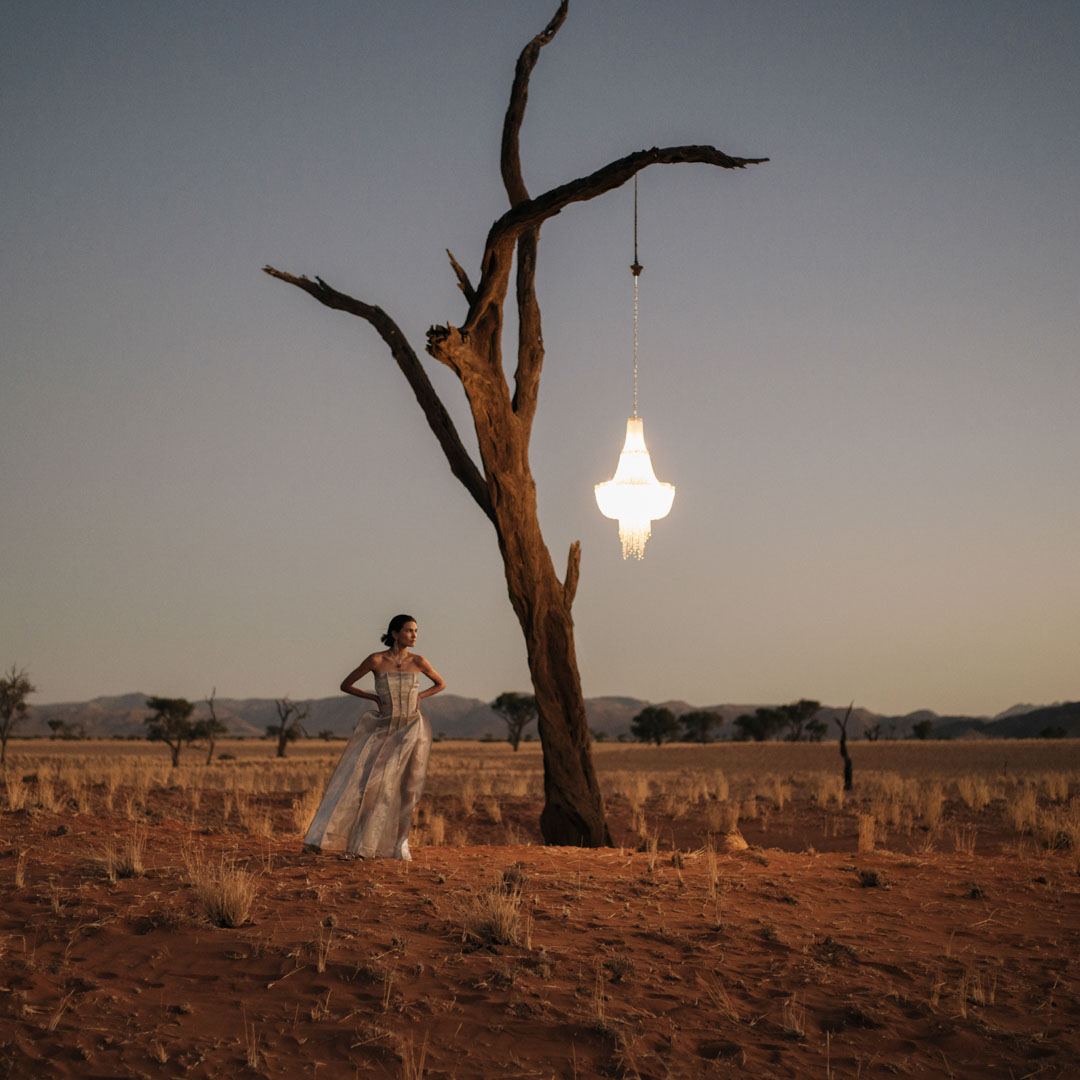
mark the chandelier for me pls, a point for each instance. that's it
(633, 495)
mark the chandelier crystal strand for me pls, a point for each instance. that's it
(634, 496)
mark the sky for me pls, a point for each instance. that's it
(858, 362)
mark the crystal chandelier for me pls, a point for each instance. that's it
(633, 495)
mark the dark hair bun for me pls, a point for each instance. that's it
(387, 640)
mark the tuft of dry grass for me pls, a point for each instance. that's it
(20, 868)
(493, 916)
(225, 891)
(413, 1059)
(867, 832)
(15, 792)
(964, 839)
(931, 804)
(721, 1000)
(974, 792)
(303, 809)
(253, 1055)
(1023, 809)
(793, 1018)
(48, 798)
(722, 817)
(126, 861)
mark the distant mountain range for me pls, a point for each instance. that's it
(455, 717)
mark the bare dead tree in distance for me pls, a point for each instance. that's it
(506, 492)
(290, 725)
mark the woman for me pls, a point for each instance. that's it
(369, 802)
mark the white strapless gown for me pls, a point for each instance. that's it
(369, 802)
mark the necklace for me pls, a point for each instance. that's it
(399, 659)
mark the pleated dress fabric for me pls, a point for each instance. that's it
(369, 802)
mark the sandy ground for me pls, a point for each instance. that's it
(799, 963)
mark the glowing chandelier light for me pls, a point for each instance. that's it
(633, 495)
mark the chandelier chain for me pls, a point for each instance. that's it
(635, 269)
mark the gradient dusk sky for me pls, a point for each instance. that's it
(859, 361)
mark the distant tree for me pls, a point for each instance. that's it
(289, 727)
(15, 688)
(796, 716)
(923, 728)
(170, 723)
(599, 736)
(697, 725)
(873, 732)
(816, 730)
(1055, 732)
(655, 724)
(210, 727)
(760, 726)
(517, 711)
(326, 734)
(65, 729)
(842, 724)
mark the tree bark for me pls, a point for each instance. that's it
(573, 811)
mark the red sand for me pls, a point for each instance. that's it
(951, 965)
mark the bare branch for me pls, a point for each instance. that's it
(510, 158)
(530, 338)
(461, 464)
(499, 248)
(464, 284)
(573, 569)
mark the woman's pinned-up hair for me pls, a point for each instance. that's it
(396, 623)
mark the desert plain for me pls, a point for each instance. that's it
(752, 919)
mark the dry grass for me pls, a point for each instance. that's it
(303, 809)
(1024, 809)
(413, 1059)
(867, 832)
(127, 860)
(793, 1018)
(964, 839)
(225, 891)
(493, 916)
(721, 1000)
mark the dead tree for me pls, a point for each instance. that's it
(842, 725)
(210, 727)
(290, 725)
(505, 490)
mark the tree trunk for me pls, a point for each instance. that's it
(848, 771)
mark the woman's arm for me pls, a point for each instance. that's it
(432, 674)
(355, 676)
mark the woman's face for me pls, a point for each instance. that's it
(405, 638)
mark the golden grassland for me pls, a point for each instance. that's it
(753, 917)
(920, 793)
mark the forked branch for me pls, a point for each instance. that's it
(461, 464)
(531, 214)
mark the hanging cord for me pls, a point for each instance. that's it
(636, 271)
